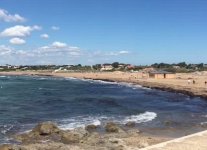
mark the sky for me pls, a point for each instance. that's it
(139, 32)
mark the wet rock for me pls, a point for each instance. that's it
(130, 124)
(46, 128)
(91, 127)
(112, 127)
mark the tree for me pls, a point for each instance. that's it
(97, 66)
(115, 64)
(182, 64)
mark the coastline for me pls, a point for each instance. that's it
(171, 85)
(117, 78)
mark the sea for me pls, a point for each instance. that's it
(72, 103)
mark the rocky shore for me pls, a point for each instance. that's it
(47, 136)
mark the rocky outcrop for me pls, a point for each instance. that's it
(46, 128)
(112, 127)
(74, 136)
(91, 127)
(48, 131)
(47, 136)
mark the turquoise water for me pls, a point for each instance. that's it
(71, 103)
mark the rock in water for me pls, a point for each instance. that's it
(91, 127)
(130, 124)
(112, 127)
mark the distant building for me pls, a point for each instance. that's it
(106, 67)
(176, 67)
(161, 75)
(129, 66)
(148, 69)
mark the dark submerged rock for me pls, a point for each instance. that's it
(130, 124)
(91, 127)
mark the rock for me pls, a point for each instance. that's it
(9, 147)
(134, 132)
(68, 138)
(130, 124)
(91, 127)
(112, 127)
(5, 147)
(74, 136)
(45, 131)
(47, 146)
(117, 144)
(81, 131)
(46, 128)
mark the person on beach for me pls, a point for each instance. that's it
(189, 81)
(193, 81)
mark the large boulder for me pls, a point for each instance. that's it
(112, 127)
(46, 128)
(42, 132)
(91, 127)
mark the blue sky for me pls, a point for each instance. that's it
(99, 31)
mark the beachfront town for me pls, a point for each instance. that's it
(109, 67)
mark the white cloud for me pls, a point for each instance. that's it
(116, 53)
(59, 44)
(4, 50)
(44, 36)
(5, 16)
(123, 52)
(55, 28)
(19, 31)
(17, 41)
(57, 53)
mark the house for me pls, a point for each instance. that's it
(106, 67)
(129, 66)
(146, 70)
(176, 67)
(161, 75)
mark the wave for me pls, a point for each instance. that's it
(77, 122)
(81, 121)
(6, 128)
(125, 84)
(144, 117)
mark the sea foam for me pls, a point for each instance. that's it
(140, 118)
(77, 122)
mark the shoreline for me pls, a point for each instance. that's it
(110, 77)
(159, 84)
